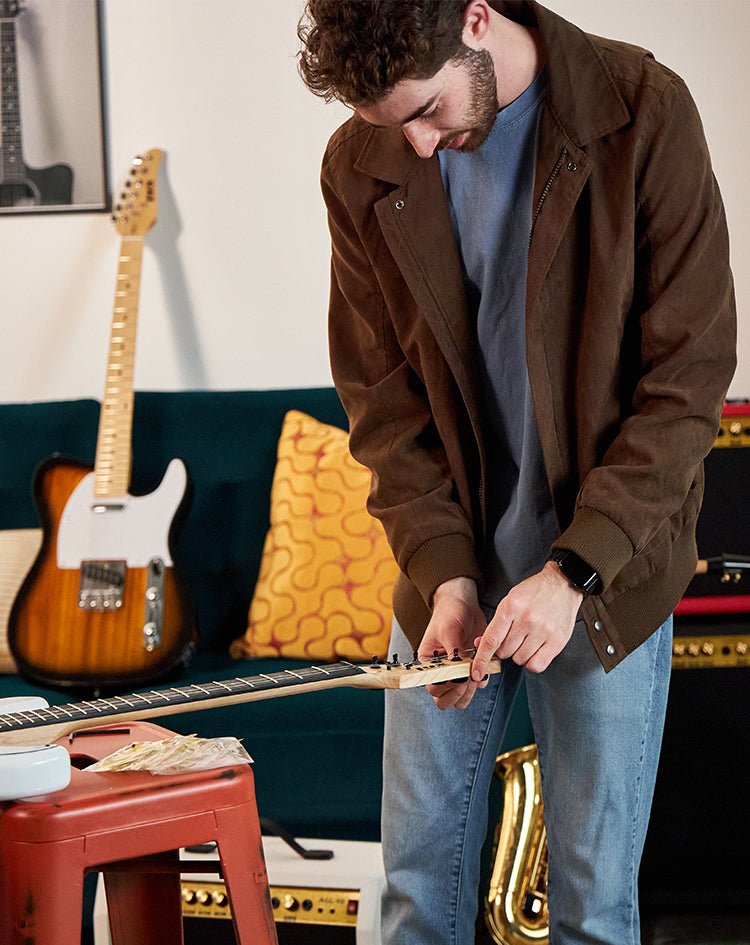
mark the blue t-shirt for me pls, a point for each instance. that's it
(490, 193)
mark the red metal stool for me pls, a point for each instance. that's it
(47, 846)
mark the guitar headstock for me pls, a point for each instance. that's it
(440, 669)
(134, 211)
(10, 8)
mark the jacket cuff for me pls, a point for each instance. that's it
(439, 560)
(599, 541)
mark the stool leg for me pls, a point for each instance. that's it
(42, 893)
(244, 869)
(145, 908)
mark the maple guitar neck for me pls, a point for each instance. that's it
(112, 467)
(42, 726)
(134, 214)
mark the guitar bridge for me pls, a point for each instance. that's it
(102, 585)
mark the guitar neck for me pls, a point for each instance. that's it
(10, 111)
(113, 446)
(42, 726)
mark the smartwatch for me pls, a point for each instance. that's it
(579, 575)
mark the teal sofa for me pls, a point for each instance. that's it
(317, 756)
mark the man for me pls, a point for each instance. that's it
(532, 331)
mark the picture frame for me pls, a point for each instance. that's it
(52, 149)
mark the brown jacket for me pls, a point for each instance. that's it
(630, 327)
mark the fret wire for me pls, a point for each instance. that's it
(28, 714)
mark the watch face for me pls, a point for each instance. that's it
(581, 575)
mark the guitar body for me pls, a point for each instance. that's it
(38, 187)
(102, 605)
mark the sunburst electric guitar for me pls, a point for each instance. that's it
(102, 604)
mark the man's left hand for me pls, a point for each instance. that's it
(532, 623)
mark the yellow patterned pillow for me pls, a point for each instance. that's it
(327, 573)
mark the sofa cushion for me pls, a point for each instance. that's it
(327, 574)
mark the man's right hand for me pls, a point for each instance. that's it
(457, 620)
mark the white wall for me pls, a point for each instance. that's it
(236, 270)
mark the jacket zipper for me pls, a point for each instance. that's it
(543, 195)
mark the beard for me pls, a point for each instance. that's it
(484, 105)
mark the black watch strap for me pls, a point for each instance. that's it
(579, 574)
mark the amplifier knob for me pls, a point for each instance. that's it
(219, 897)
(202, 897)
(693, 649)
(188, 896)
(735, 428)
(678, 649)
(741, 648)
(707, 649)
(291, 903)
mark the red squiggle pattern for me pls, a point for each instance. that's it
(327, 573)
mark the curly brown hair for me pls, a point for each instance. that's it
(357, 50)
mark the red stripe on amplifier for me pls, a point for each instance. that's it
(735, 604)
(739, 410)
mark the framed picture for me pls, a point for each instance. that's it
(51, 111)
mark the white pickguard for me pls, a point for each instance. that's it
(133, 529)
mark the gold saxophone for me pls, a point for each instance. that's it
(515, 907)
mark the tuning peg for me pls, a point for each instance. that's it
(455, 658)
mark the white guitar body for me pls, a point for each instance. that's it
(30, 771)
(133, 529)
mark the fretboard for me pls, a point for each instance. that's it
(113, 445)
(181, 698)
(12, 155)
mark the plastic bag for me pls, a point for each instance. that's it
(175, 755)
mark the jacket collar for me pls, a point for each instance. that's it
(582, 95)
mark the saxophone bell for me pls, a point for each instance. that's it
(515, 906)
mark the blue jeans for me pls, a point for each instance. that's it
(598, 736)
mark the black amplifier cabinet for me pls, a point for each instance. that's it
(697, 854)
(724, 520)
(315, 902)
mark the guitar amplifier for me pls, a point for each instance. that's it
(315, 902)
(696, 853)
